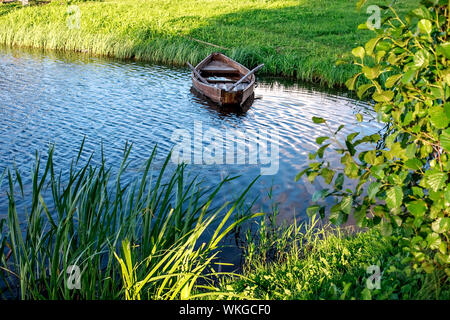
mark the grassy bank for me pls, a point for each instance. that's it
(329, 263)
(293, 38)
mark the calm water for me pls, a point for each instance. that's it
(48, 98)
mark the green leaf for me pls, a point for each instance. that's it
(312, 210)
(422, 12)
(352, 136)
(370, 157)
(392, 80)
(435, 180)
(441, 225)
(447, 195)
(359, 117)
(414, 164)
(336, 216)
(417, 208)
(322, 150)
(433, 240)
(363, 89)
(444, 49)
(447, 109)
(363, 26)
(320, 140)
(418, 192)
(373, 189)
(350, 147)
(394, 197)
(351, 170)
(360, 4)
(300, 174)
(408, 76)
(378, 171)
(360, 216)
(372, 73)
(346, 204)
(383, 96)
(359, 52)
(318, 120)
(365, 294)
(339, 181)
(445, 140)
(384, 46)
(312, 176)
(437, 93)
(438, 117)
(396, 151)
(350, 83)
(327, 175)
(370, 45)
(319, 195)
(425, 26)
(421, 59)
(386, 229)
(411, 150)
(339, 129)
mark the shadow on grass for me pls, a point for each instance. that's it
(8, 6)
(298, 41)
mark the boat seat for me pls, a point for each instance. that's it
(219, 79)
(219, 67)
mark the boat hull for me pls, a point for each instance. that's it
(216, 93)
(223, 97)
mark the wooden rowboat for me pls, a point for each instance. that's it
(223, 80)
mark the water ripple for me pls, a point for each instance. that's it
(59, 99)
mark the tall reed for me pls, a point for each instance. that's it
(90, 214)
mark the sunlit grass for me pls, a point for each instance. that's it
(159, 221)
(296, 38)
(158, 236)
(308, 262)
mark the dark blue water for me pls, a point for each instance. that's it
(48, 98)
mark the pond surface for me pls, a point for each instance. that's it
(49, 98)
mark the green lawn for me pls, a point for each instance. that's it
(294, 38)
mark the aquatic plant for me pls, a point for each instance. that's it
(67, 247)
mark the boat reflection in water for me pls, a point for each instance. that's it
(225, 110)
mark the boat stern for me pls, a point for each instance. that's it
(231, 97)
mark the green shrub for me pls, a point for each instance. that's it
(401, 181)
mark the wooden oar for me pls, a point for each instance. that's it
(197, 74)
(246, 76)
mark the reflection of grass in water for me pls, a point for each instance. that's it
(301, 39)
(161, 221)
